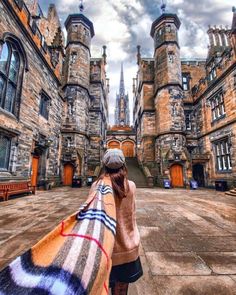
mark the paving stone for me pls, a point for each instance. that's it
(153, 240)
(145, 285)
(195, 285)
(175, 263)
(220, 263)
(189, 241)
(203, 243)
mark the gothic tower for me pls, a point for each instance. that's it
(168, 95)
(122, 115)
(76, 74)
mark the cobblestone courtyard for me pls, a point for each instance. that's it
(188, 237)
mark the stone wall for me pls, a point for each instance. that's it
(31, 129)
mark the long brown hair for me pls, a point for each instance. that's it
(119, 180)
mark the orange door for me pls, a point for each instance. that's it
(114, 145)
(176, 172)
(34, 174)
(128, 149)
(68, 174)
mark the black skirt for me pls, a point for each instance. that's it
(126, 273)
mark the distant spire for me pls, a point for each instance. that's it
(163, 6)
(122, 82)
(81, 6)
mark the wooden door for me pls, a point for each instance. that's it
(68, 174)
(128, 149)
(34, 174)
(176, 172)
(114, 145)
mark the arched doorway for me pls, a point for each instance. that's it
(68, 174)
(198, 174)
(128, 149)
(176, 173)
(114, 144)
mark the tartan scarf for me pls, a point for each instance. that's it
(74, 258)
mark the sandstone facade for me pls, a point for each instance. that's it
(53, 96)
(184, 109)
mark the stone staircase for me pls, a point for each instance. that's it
(232, 192)
(135, 173)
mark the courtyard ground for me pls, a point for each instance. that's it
(188, 238)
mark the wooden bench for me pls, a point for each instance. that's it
(14, 188)
(3, 195)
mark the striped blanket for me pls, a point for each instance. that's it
(75, 258)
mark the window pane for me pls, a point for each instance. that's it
(10, 97)
(224, 163)
(229, 162)
(14, 67)
(4, 152)
(227, 148)
(4, 52)
(2, 82)
(222, 108)
(44, 106)
(219, 163)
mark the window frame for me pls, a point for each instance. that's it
(185, 76)
(217, 106)
(15, 44)
(44, 98)
(188, 118)
(8, 155)
(223, 155)
(7, 80)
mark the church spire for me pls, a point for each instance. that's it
(122, 103)
(122, 82)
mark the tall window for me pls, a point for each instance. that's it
(188, 122)
(217, 106)
(5, 147)
(185, 78)
(9, 76)
(44, 105)
(212, 74)
(223, 156)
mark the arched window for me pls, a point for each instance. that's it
(11, 72)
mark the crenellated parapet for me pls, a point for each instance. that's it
(219, 40)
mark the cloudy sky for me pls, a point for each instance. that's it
(124, 24)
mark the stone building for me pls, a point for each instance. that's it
(53, 112)
(184, 109)
(122, 135)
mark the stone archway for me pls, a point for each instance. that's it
(176, 173)
(128, 148)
